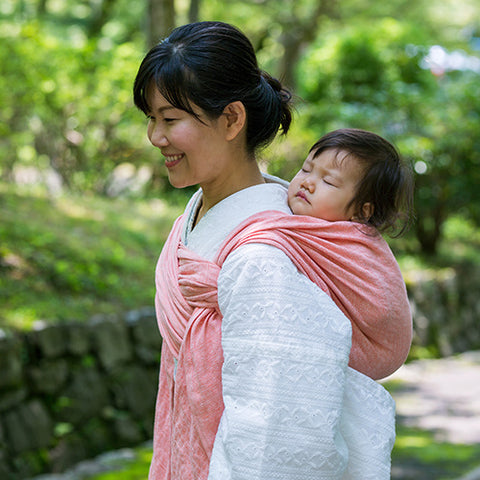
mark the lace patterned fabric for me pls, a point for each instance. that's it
(209, 234)
(293, 409)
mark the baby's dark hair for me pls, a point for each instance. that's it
(387, 182)
(211, 64)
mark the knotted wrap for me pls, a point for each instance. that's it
(189, 402)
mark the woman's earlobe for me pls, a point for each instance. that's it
(236, 119)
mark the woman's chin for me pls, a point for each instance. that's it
(176, 182)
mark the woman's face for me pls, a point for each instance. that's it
(195, 153)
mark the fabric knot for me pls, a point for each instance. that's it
(197, 279)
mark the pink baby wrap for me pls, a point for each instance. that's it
(358, 271)
(356, 268)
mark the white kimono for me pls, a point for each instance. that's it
(294, 410)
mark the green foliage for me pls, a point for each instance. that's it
(71, 257)
(462, 241)
(63, 428)
(361, 71)
(67, 105)
(357, 78)
(67, 73)
(433, 460)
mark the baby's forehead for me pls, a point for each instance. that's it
(337, 157)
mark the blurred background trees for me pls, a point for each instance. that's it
(407, 69)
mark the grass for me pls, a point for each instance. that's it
(136, 469)
(418, 451)
(74, 256)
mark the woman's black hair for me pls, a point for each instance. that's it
(387, 182)
(211, 64)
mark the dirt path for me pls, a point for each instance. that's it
(443, 397)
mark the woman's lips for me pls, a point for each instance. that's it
(172, 160)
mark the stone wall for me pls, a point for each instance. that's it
(71, 391)
(446, 309)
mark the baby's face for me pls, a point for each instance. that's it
(325, 186)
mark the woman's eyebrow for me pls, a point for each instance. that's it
(165, 108)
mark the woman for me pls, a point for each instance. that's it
(254, 382)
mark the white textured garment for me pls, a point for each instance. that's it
(294, 410)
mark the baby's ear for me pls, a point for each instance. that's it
(366, 213)
(367, 210)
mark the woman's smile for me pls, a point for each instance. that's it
(172, 160)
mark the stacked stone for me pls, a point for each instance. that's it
(446, 309)
(71, 391)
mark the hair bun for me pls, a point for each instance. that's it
(283, 95)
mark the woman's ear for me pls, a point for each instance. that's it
(236, 118)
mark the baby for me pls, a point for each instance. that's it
(353, 175)
(352, 186)
(356, 183)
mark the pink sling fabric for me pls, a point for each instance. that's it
(357, 271)
(356, 268)
(189, 405)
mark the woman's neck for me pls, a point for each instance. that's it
(245, 177)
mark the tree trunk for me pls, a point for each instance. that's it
(160, 20)
(298, 32)
(194, 11)
(429, 229)
(100, 18)
(41, 8)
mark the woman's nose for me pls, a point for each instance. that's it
(157, 137)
